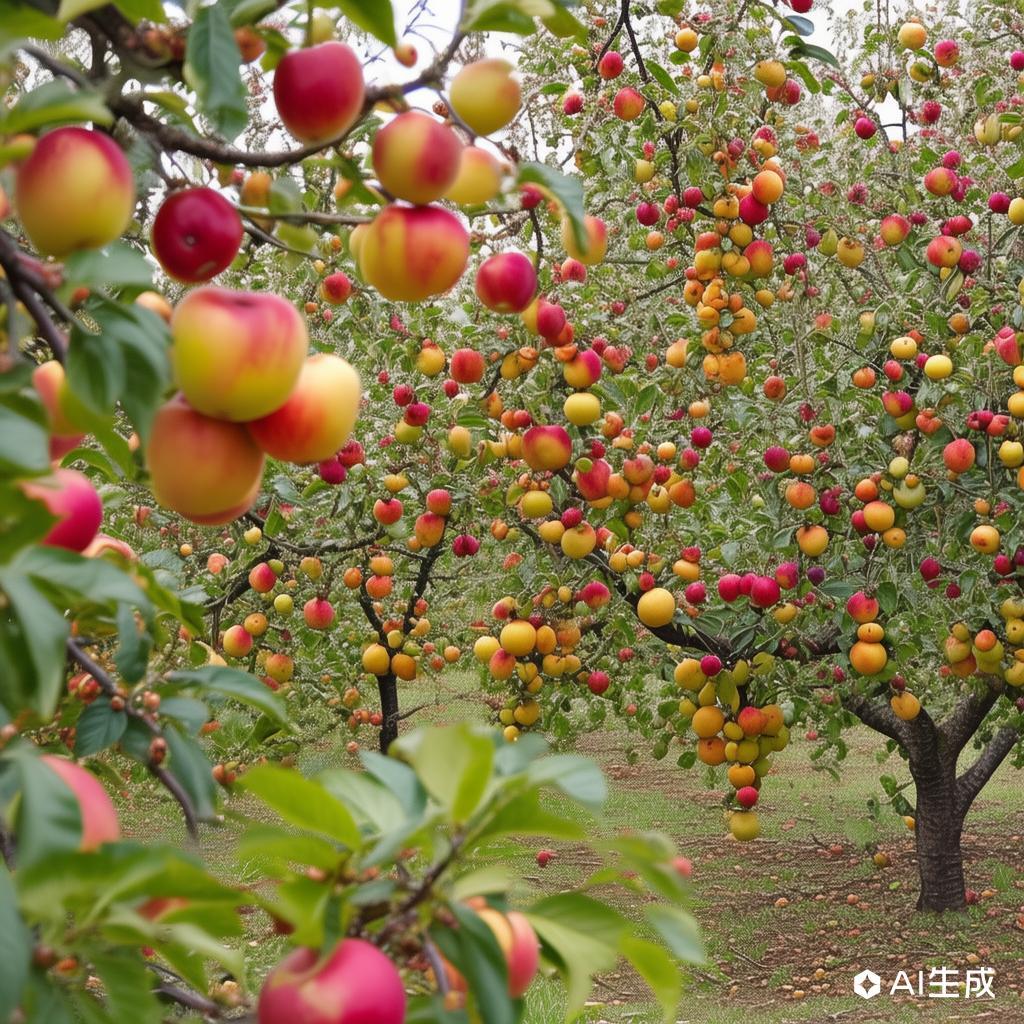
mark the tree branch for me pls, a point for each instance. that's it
(876, 716)
(962, 722)
(973, 780)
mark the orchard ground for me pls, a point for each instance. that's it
(801, 910)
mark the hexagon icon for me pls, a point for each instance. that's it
(867, 984)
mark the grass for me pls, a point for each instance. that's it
(788, 920)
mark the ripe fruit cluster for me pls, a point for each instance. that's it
(248, 390)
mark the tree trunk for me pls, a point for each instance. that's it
(387, 687)
(939, 858)
(939, 823)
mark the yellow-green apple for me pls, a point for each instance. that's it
(98, 817)
(467, 366)
(429, 529)
(318, 415)
(597, 240)
(319, 91)
(506, 282)
(75, 191)
(206, 469)
(547, 447)
(72, 500)
(336, 288)
(353, 984)
(416, 157)
(280, 668)
(410, 253)
(50, 382)
(479, 178)
(196, 234)
(236, 355)
(486, 95)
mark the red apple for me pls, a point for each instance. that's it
(196, 234)
(71, 498)
(319, 91)
(354, 984)
(506, 282)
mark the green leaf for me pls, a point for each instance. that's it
(20, 21)
(373, 16)
(663, 77)
(55, 102)
(15, 947)
(238, 685)
(266, 843)
(579, 940)
(132, 655)
(499, 16)
(526, 815)
(115, 264)
(24, 442)
(1016, 169)
(577, 777)
(802, 26)
(127, 986)
(802, 49)
(565, 25)
(189, 765)
(474, 950)
(126, 360)
(212, 68)
(567, 189)
(141, 10)
(32, 638)
(493, 878)
(678, 930)
(98, 727)
(454, 764)
(370, 802)
(303, 802)
(658, 969)
(399, 779)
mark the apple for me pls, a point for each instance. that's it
(50, 382)
(318, 415)
(318, 613)
(596, 244)
(628, 104)
(467, 366)
(353, 984)
(98, 818)
(412, 253)
(74, 191)
(416, 157)
(70, 497)
(196, 234)
(387, 511)
(518, 942)
(547, 447)
(335, 289)
(506, 282)
(206, 469)
(610, 65)
(319, 91)
(479, 178)
(429, 529)
(236, 355)
(485, 95)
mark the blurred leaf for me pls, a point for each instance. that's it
(663, 77)
(238, 685)
(658, 969)
(568, 190)
(679, 931)
(577, 777)
(24, 442)
(132, 655)
(212, 68)
(454, 764)
(189, 765)
(15, 947)
(127, 986)
(303, 802)
(98, 727)
(49, 819)
(374, 16)
(55, 102)
(114, 264)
